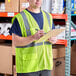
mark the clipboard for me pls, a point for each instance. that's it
(52, 33)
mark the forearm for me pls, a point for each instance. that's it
(22, 41)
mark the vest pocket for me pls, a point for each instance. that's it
(29, 56)
(29, 53)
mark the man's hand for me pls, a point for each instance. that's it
(38, 35)
(52, 40)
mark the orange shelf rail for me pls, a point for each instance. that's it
(60, 16)
(9, 37)
(9, 14)
(63, 42)
(55, 16)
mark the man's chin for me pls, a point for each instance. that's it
(38, 6)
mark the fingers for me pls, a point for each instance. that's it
(40, 31)
(53, 40)
(39, 34)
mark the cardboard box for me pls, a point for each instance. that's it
(2, 7)
(59, 67)
(23, 4)
(73, 59)
(12, 5)
(58, 51)
(5, 59)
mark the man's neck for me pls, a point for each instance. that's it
(34, 10)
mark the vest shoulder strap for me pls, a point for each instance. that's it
(48, 18)
(27, 26)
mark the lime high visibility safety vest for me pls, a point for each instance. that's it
(35, 56)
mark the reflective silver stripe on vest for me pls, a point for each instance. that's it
(26, 23)
(48, 17)
(33, 44)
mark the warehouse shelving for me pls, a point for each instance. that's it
(66, 42)
(55, 16)
(69, 23)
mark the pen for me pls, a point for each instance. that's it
(37, 30)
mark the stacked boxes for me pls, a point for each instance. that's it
(62, 35)
(2, 7)
(23, 4)
(12, 5)
(73, 33)
(58, 60)
(15, 5)
(74, 6)
(57, 6)
(73, 59)
(58, 51)
(5, 58)
(58, 67)
(46, 5)
(53, 6)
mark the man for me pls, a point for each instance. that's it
(32, 59)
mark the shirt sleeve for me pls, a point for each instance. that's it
(53, 26)
(15, 28)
